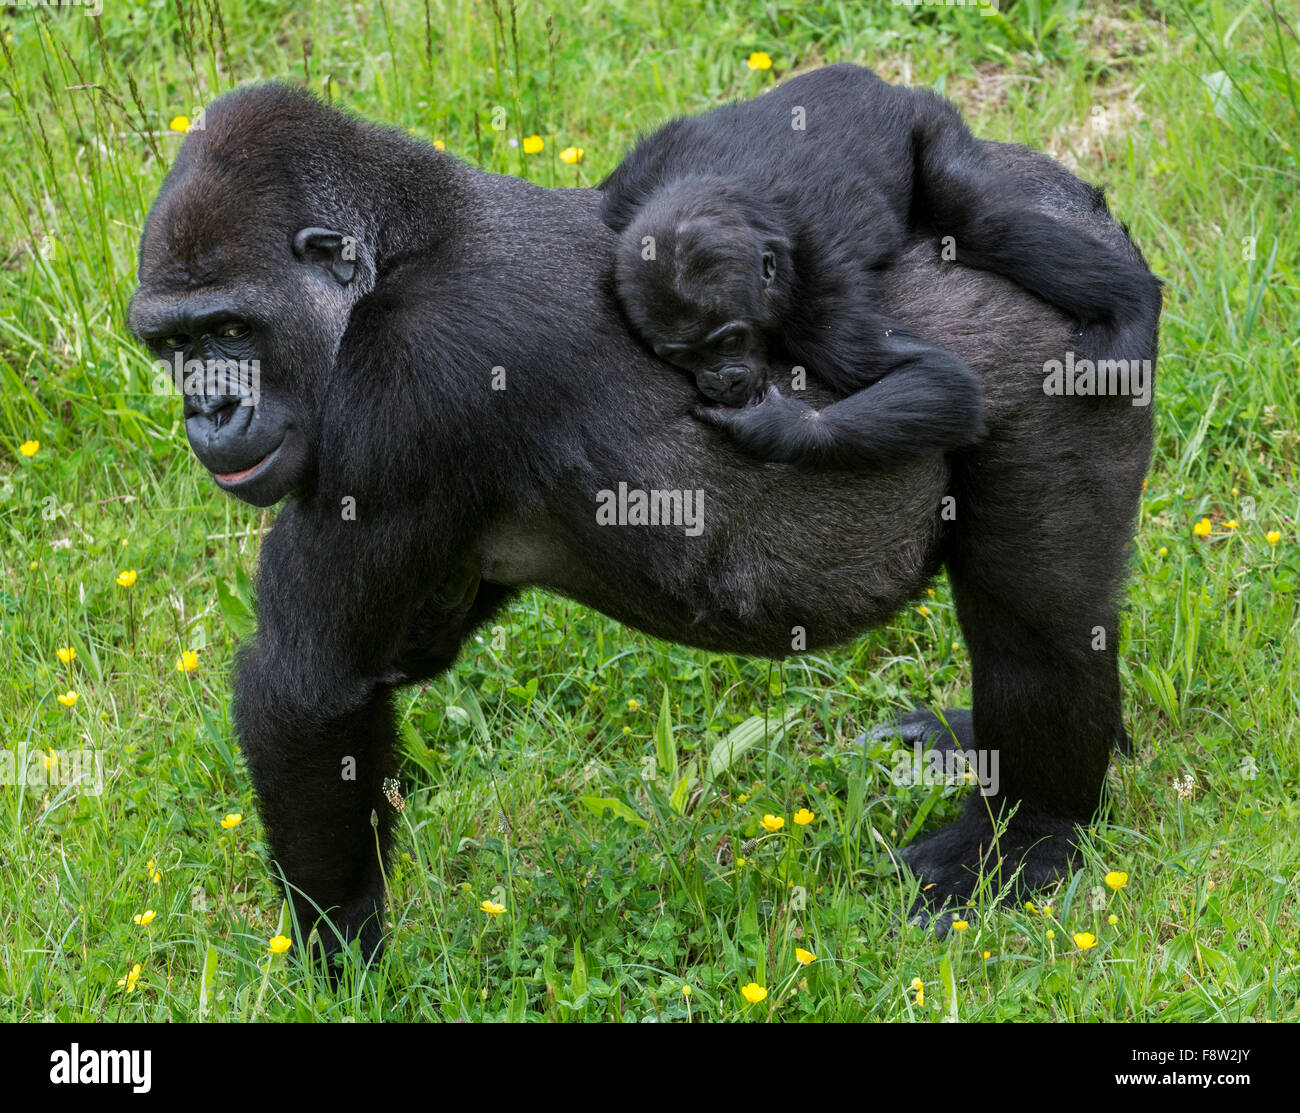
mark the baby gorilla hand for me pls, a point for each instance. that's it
(773, 428)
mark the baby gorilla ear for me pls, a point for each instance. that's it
(768, 269)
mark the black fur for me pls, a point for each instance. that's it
(376, 393)
(753, 239)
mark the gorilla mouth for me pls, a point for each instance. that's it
(230, 477)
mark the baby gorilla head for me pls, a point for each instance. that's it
(700, 275)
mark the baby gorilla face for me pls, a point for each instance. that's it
(693, 278)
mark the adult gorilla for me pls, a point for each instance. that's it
(389, 292)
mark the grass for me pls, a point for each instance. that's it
(562, 770)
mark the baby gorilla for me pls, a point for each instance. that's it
(715, 292)
(750, 240)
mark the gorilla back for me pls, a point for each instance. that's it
(451, 403)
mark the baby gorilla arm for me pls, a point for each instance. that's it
(928, 401)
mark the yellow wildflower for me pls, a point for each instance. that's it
(1273, 537)
(754, 993)
(66, 655)
(145, 918)
(1117, 879)
(29, 448)
(279, 944)
(440, 144)
(130, 980)
(960, 925)
(533, 144)
(686, 990)
(1112, 919)
(179, 123)
(187, 661)
(127, 578)
(803, 817)
(1084, 940)
(233, 820)
(1231, 524)
(1202, 528)
(760, 60)
(771, 823)
(572, 155)
(491, 907)
(804, 957)
(68, 698)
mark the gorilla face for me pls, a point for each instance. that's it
(706, 298)
(246, 331)
(238, 423)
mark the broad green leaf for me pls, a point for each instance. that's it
(665, 744)
(601, 804)
(745, 737)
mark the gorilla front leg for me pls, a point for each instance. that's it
(319, 784)
(313, 706)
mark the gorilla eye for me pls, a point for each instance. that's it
(233, 331)
(730, 345)
(175, 343)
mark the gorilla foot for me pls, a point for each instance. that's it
(362, 921)
(970, 856)
(955, 731)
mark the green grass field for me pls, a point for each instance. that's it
(544, 773)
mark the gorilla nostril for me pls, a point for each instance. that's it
(223, 413)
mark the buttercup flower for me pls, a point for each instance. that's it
(772, 823)
(1117, 879)
(754, 993)
(145, 918)
(440, 144)
(533, 144)
(1112, 919)
(68, 698)
(960, 925)
(572, 155)
(1202, 528)
(634, 705)
(279, 944)
(1273, 537)
(804, 957)
(155, 874)
(130, 980)
(66, 656)
(127, 578)
(233, 820)
(187, 661)
(29, 448)
(179, 123)
(686, 991)
(1233, 524)
(759, 60)
(1084, 940)
(491, 908)
(803, 817)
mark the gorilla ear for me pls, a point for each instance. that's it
(331, 251)
(768, 268)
